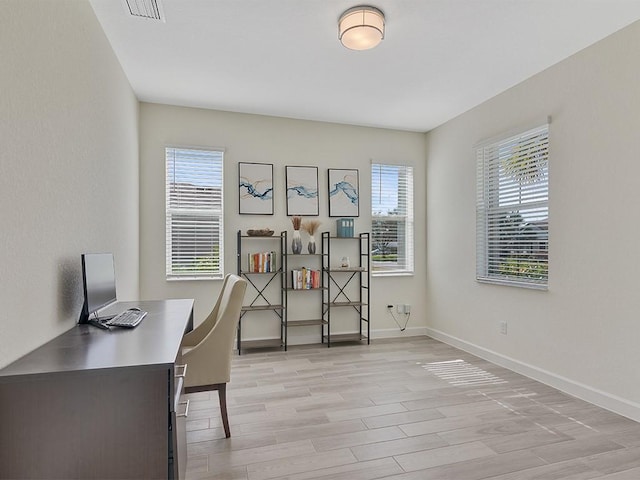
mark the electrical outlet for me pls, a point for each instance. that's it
(503, 328)
(400, 308)
(407, 308)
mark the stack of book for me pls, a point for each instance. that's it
(264, 262)
(305, 279)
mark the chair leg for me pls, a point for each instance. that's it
(222, 395)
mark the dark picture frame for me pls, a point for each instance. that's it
(302, 191)
(255, 188)
(344, 192)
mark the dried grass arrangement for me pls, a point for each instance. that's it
(311, 226)
(296, 221)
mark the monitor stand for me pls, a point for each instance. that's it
(99, 322)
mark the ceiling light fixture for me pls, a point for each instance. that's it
(361, 28)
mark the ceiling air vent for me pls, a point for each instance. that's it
(151, 9)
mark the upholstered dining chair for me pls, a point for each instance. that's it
(207, 350)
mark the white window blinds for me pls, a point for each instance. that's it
(392, 219)
(194, 215)
(512, 232)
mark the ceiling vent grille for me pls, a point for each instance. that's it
(151, 9)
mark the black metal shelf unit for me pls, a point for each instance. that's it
(257, 298)
(346, 286)
(291, 262)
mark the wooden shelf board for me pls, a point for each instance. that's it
(262, 237)
(247, 272)
(346, 337)
(345, 270)
(266, 343)
(257, 308)
(290, 289)
(305, 323)
(347, 304)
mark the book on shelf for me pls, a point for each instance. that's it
(305, 279)
(263, 262)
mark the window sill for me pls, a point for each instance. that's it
(392, 274)
(511, 283)
(191, 278)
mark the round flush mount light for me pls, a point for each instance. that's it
(361, 28)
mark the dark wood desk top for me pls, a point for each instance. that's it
(154, 342)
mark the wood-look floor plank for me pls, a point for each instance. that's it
(421, 443)
(443, 456)
(535, 437)
(235, 443)
(486, 431)
(299, 463)
(383, 468)
(226, 473)
(363, 412)
(402, 418)
(364, 437)
(569, 470)
(276, 424)
(575, 448)
(633, 474)
(484, 467)
(441, 425)
(333, 405)
(615, 461)
(268, 453)
(320, 430)
(199, 424)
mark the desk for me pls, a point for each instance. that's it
(95, 403)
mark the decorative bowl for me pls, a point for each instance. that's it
(263, 232)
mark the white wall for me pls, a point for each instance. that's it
(253, 138)
(68, 167)
(582, 334)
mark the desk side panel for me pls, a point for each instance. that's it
(67, 425)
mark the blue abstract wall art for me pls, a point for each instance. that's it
(302, 191)
(344, 196)
(255, 188)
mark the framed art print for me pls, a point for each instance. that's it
(344, 196)
(255, 188)
(302, 191)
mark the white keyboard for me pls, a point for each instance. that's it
(127, 319)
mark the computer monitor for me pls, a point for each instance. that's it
(98, 283)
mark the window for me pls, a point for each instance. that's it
(512, 234)
(194, 214)
(392, 219)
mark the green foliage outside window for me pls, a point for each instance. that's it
(524, 267)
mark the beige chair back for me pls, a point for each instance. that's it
(195, 336)
(209, 359)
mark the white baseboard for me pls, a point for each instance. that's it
(397, 333)
(605, 400)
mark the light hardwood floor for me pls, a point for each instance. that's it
(410, 409)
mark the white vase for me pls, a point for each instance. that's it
(296, 242)
(311, 246)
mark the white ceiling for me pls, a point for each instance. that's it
(282, 57)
